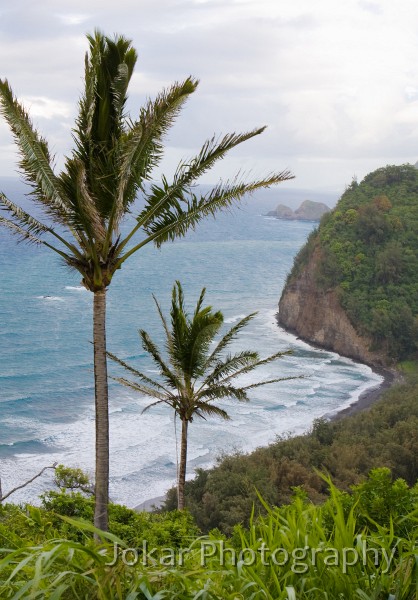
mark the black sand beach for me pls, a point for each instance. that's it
(371, 395)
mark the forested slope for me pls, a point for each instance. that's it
(364, 257)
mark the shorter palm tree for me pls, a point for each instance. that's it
(194, 376)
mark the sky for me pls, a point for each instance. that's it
(336, 83)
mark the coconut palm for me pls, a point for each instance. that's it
(84, 205)
(193, 376)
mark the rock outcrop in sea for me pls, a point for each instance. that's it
(307, 211)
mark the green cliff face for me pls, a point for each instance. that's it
(361, 266)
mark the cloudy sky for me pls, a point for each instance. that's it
(335, 82)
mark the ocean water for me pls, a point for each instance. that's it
(46, 377)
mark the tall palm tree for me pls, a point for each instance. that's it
(84, 205)
(193, 376)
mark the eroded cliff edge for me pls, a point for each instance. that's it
(316, 316)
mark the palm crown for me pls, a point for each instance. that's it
(193, 375)
(112, 159)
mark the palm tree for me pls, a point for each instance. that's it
(194, 376)
(84, 205)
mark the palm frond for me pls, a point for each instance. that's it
(203, 410)
(35, 162)
(137, 373)
(230, 335)
(179, 330)
(188, 172)
(190, 337)
(169, 376)
(177, 218)
(27, 236)
(85, 216)
(168, 334)
(100, 123)
(230, 365)
(108, 70)
(119, 87)
(22, 218)
(19, 231)
(139, 387)
(212, 150)
(29, 228)
(144, 410)
(267, 381)
(163, 200)
(203, 330)
(256, 364)
(199, 302)
(141, 149)
(222, 391)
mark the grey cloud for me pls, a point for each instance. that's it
(289, 69)
(372, 7)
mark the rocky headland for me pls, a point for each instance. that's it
(352, 286)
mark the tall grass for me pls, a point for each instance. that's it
(296, 552)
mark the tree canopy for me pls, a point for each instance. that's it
(368, 248)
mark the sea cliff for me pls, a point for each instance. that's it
(316, 316)
(353, 286)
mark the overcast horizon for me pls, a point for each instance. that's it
(336, 85)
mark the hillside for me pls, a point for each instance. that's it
(354, 285)
(385, 435)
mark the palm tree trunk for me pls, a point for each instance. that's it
(182, 469)
(102, 411)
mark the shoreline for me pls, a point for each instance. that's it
(369, 396)
(366, 398)
(364, 402)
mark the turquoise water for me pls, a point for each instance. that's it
(46, 379)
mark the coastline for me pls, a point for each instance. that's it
(364, 402)
(369, 396)
(366, 398)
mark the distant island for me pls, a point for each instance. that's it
(307, 211)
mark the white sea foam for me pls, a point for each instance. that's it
(234, 319)
(51, 298)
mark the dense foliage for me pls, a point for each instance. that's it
(368, 253)
(386, 435)
(360, 546)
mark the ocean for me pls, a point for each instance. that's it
(46, 376)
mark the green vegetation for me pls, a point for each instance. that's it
(386, 435)
(332, 514)
(84, 206)
(359, 546)
(195, 374)
(368, 253)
